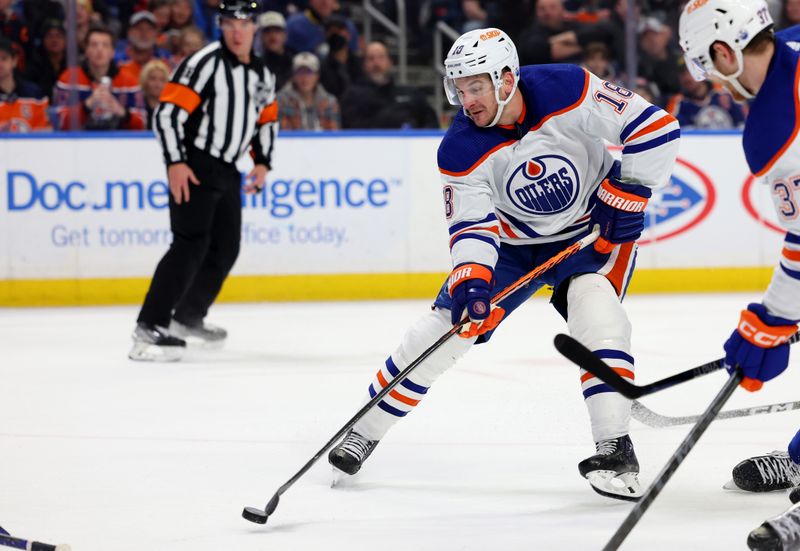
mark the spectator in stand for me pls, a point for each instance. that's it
(50, 59)
(303, 103)
(162, 10)
(658, 63)
(609, 31)
(36, 12)
(597, 60)
(341, 67)
(377, 102)
(701, 105)
(474, 14)
(205, 17)
(790, 15)
(23, 106)
(191, 40)
(271, 46)
(140, 47)
(307, 31)
(535, 45)
(14, 28)
(587, 11)
(108, 98)
(85, 17)
(153, 78)
(182, 16)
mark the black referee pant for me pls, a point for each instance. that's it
(206, 232)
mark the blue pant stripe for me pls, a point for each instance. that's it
(391, 410)
(609, 354)
(394, 372)
(597, 389)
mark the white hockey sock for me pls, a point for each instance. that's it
(597, 319)
(405, 396)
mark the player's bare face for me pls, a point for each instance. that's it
(238, 35)
(476, 94)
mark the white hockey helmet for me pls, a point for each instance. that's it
(477, 52)
(734, 22)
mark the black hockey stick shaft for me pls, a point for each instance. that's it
(8, 540)
(645, 415)
(258, 516)
(674, 462)
(586, 359)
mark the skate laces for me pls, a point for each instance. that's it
(607, 447)
(356, 445)
(776, 467)
(788, 525)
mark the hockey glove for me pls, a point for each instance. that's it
(470, 289)
(619, 211)
(759, 346)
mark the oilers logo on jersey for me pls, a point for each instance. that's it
(546, 184)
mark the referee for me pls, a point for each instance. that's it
(219, 104)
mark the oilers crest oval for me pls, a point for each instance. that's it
(679, 205)
(546, 184)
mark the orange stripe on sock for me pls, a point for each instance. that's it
(382, 380)
(405, 399)
(789, 254)
(620, 370)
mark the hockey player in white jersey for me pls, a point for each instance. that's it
(733, 43)
(525, 173)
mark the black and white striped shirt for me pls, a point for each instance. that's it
(218, 105)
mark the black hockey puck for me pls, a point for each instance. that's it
(256, 515)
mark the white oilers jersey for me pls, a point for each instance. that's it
(772, 148)
(536, 181)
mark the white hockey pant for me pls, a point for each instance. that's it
(596, 319)
(402, 399)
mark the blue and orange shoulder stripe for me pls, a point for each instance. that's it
(552, 90)
(465, 146)
(774, 118)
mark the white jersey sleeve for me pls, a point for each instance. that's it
(649, 135)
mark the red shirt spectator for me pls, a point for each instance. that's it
(107, 98)
(23, 106)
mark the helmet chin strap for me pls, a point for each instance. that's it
(734, 78)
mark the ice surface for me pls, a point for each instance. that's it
(111, 455)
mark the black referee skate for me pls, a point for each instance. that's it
(351, 452)
(152, 343)
(794, 495)
(767, 473)
(613, 470)
(781, 533)
(200, 334)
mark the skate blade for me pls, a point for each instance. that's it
(625, 486)
(341, 479)
(730, 485)
(144, 352)
(196, 342)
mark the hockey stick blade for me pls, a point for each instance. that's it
(647, 416)
(585, 358)
(8, 540)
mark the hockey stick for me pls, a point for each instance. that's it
(19, 543)
(579, 354)
(645, 415)
(674, 462)
(259, 516)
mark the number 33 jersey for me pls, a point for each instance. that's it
(535, 181)
(772, 149)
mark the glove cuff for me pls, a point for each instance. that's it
(756, 327)
(625, 200)
(463, 272)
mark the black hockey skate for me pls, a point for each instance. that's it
(767, 473)
(613, 470)
(201, 334)
(794, 495)
(152, 343)
(351, 452)
(781, 533)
